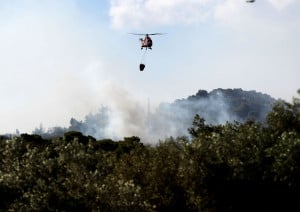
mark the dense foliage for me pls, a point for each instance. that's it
(231, 167)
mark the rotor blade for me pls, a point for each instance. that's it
(137, 34)
(157, 33)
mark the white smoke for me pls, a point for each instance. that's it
(124, 115)
(127, 115)
(174, 119)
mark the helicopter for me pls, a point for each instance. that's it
(146, 42)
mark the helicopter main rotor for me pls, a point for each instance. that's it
(147, 33)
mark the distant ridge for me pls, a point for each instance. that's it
(239, 104)
(172, 119)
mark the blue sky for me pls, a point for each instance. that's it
(65, 58)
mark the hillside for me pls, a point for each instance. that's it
(221, 105)
(171, 119)
(216, 107)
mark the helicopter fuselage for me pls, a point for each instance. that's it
(146, 42)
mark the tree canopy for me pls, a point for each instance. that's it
(249, 166)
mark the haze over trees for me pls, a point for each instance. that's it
(171, 119)
(234, 166)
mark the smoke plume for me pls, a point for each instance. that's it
(123, 115)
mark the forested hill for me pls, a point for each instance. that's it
(170, 119)
(221, 105)
(216, 107)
